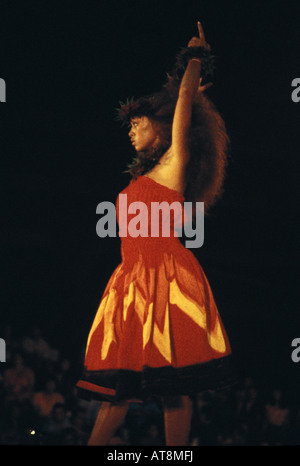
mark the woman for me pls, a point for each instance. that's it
(157, 331)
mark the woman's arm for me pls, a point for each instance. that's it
(183, 111)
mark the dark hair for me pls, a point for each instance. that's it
(208, 141)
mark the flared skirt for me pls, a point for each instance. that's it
(157, 332)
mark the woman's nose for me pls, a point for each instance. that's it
(130, 133)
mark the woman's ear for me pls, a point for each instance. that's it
(145, 121)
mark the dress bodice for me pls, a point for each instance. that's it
(150, 217)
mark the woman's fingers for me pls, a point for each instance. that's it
(202, 36)
(201, 32)
(203, 88)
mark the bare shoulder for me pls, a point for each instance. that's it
(169, 172)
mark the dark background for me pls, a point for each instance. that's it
(66, 66)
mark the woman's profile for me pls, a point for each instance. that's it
(157, 331)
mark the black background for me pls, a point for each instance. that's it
(66, 66)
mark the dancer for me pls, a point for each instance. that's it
(157, 331)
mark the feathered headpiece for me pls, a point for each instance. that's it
(133, 108)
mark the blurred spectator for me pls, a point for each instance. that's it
(56, 424)
(79, 425)
(251, 414)
(277, 411)
(152, 435)
(65, 377)
(18, 381)
(277, 418)
(36, 345)
(44, 401)
(204, 430)
(122, 437)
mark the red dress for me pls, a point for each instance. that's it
(157, 330)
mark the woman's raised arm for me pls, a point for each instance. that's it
(190, 85)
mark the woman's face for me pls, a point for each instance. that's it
(142, 134)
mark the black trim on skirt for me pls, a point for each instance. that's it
(162, 381)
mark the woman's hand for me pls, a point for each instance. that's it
(199, 41)
(203, 88)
